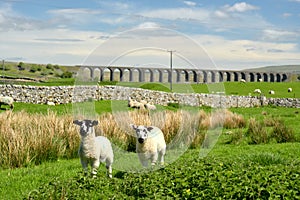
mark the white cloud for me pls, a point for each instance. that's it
(190, 3)
(46, 46)
(240, 7)
(177, 13)
(286, 15)
(148, 25)
(275, 35)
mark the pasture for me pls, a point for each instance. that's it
(256, 155)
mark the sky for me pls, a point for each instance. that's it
(219, 34)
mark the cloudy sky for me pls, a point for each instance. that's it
(224, 34)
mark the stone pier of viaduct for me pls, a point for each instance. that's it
(134, 74)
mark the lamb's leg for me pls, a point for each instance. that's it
(109, 170)
(109, 162)
(143, 160)
(154, 158)
(84, 165)
(95, 166)
(162, 156)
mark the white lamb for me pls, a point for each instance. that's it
(150, 144)
(290, 90)
(135, 104)
(149, 106)
(271, 92)
(94, 150)
(6, 100)
(258, 91)
(243, 80)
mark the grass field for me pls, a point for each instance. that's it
(229, 171)
(235, 168)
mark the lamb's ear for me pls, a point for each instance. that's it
(77, 122)
(95, 122)
(133, 126)
(149, 128)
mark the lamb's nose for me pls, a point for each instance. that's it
(141, 140)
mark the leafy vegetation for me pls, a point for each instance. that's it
(256, 156)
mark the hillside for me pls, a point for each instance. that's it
(281, 68)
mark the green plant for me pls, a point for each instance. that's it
(257, 133)
(236, 136)
(66, 74)
(281, 133)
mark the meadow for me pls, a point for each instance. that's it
(256, 155)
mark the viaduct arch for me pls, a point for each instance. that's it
(134, 74)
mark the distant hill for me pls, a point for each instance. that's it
(280, 68)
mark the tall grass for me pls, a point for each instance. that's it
(28, 139)
(33, 138)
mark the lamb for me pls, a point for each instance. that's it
(6, 100)
(150, 144)
(50, 103)
(290, 90)
(149, 106)
(243, 80)
(258, 91)
(271, 92)
(135, 104)
(94, 150)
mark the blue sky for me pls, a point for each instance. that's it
(221, 34)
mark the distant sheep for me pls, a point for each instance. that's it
(271, 92)
(94, 149)
(50, 103)
(260, 80)
(257, 91)
(6, 100)
(290, 89)
(150, 144)
(149, 106)
(243, 80)
(135, 104)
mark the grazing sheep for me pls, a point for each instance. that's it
(258, 91)
(260, 80)
(243, 80)
(271, 92)
(290, 90)
(135, 104)
(94, 150)
(50, 103)
(6, 100)
(149, 106)
(150, 144)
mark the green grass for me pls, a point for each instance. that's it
(230, 88)
(227, 172)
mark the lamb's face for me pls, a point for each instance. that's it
(86, 126)
(141, 132)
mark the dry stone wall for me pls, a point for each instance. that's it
(69, 94)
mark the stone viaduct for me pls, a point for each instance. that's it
(134, 74)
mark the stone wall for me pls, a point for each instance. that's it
(69, 94)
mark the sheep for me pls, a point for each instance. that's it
(243, 80)
(271, 92)
(149, 106)
(94, 150)
(135, 104)
(258, 91)
(290, 89)
(6, 100)
(50, 103)
(260, 80)
(150, 144)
